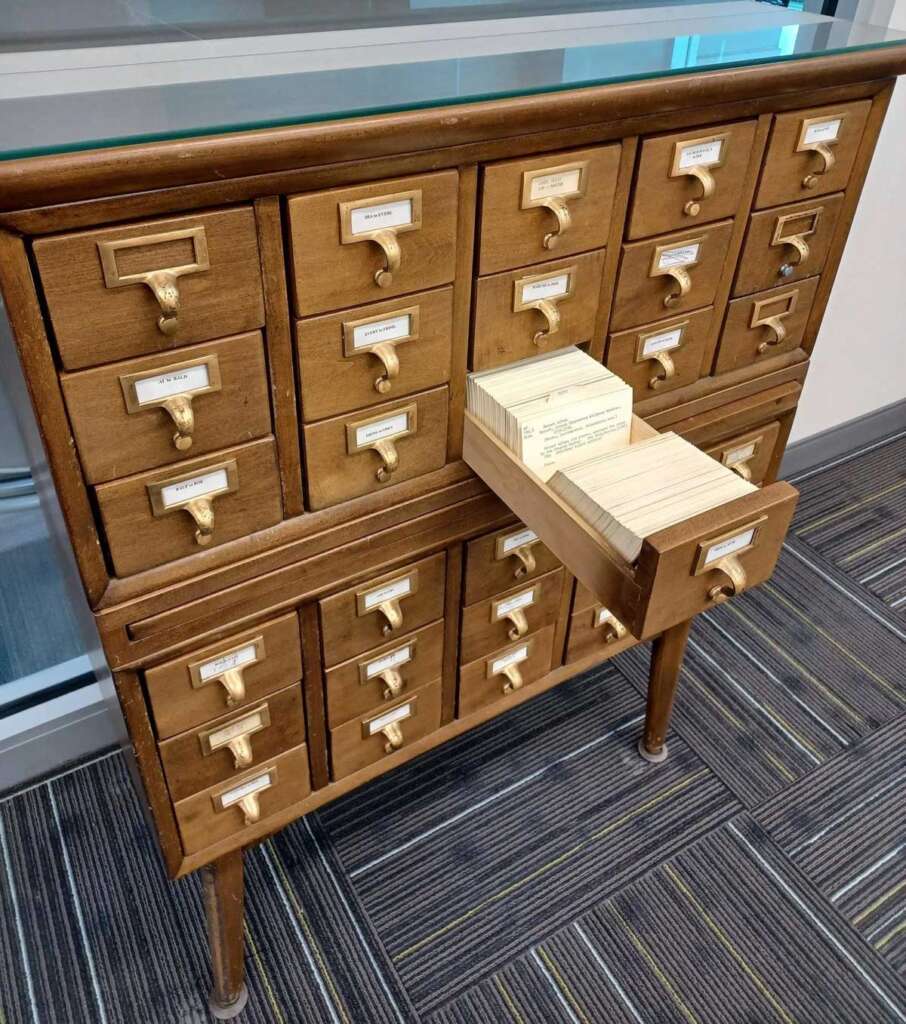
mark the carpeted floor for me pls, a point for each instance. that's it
(536, 870)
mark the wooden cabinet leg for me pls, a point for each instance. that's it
(666, 662)
(224, 904)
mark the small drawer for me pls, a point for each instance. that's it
(370, 242)
(496, 677)
(787, 244)
(361, 357)
(663, 356)
(233, 673)
(366, 740)
(749, 454)
(510, 616)
(690, 177)
(595, 630)
(384, 675)
(551, 205)
(670, 275)
(151, 412)
(811, 152)
(234, 808)
(366, 451)
(149, 287)
(164, 514)
(369, 615)
(502, 560)
(537, 309)
(679, 571)
(234, 744)
(765, 324)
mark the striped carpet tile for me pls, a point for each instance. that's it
(854, 514)
(845, 827)
(724, 931)
(782, 679)
(492, 875)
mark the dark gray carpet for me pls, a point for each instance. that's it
(536, 870)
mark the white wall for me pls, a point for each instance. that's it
(859, 363)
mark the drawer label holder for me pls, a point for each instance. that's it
(246, 795)
(388, 724)
(512, 609)
(696, 158)
(543, 292)
(380, 220)
(387, 669)
(236, 736)
(195, 493)
(721, 554)
(786, 235)
(739, 456)
(385, 599)
(379, 336)
(818, 135)
(613, 629)
(550, 188)
(379, 433)
(172, 388)
(227, 668)
(656, 346)
(518, 545)
(785, 305)
(674, 261)
(507, 665)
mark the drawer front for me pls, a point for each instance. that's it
(370, 242)
(151, 412)
(787, 244)
(151, 287)
(234, 744)
(232, 674)
(373, 613)
(371, 449)
(385, 675)
(670, 275)
(663, 356)
(749, 454)
(811, 152)
(550, 205)
(361, 357)
(162, 515)
(680, 571)
(234, 808)
(537, 309)
(690, 177)
(765, 324)
(496, 677)
(366, 740)
(499, 561)
(594, 630)
(508, 617)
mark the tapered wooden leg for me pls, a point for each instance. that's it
(224, 903)
(666, 662)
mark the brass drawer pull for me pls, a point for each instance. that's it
(614, 630)
(550, 188)
(195, 493)
(695, 158)
(732, 568)
(738, 458)
(247, 796)
(817, 135)
(163, 282)
(512, 610)
(721, 554)
(380, 221)
(385, 599)
(227, 668)
(518, 545)
(393, 733)
(507, 665)
(773, 321)
(543, 292)
(796, 240)
(388, 725)
(236, 736)
(657, 346)
(672, 261)
(379, 434)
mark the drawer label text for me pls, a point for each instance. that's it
(396, 589)
(391, 329)
(518, 540)
(547, 288)
(557, 183)
(822, 131)
(729, 546)
(513, 658)
(396, 715)
(681, 256)
(700, 154)
(663, 342)
(165, 385)
(233, 796)
(740, 454)
(235, 659)
(398, 657)
(515, 602)
(383, 429)
(251, 723)
(196, 487)
(365, 219)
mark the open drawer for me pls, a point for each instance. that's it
(679, 570)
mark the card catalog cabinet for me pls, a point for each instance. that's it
(302, 552)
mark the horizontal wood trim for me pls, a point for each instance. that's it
(105, 172)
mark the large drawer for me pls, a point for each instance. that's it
(231, 674)
(676, 574)
(137, 288)
(154, 411)
(156, 517)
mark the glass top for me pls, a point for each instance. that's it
(81, 74)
